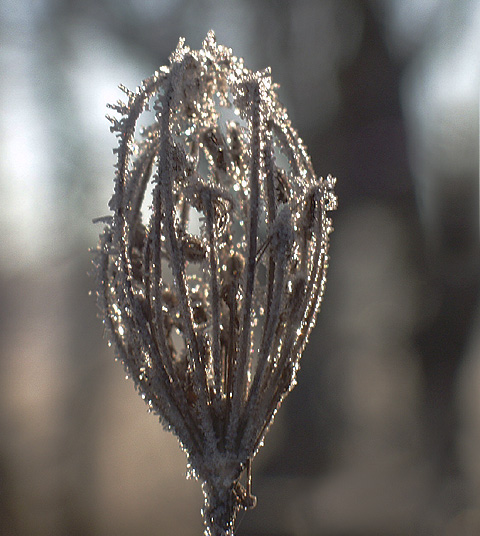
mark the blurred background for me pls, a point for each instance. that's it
(382, 434)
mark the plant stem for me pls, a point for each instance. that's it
(221, 506)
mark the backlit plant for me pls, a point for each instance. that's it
(212, 267)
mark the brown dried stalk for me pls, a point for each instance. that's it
(209, 286)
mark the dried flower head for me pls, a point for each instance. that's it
(212, 268)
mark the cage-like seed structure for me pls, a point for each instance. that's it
(212, 267)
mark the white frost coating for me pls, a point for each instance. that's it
(211, 322)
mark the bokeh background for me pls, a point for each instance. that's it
(382, 435)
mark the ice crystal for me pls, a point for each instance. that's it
(212, 268)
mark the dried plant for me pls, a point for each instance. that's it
(212, 268)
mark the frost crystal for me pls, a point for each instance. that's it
(213, 266)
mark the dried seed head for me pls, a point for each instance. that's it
(213, 266)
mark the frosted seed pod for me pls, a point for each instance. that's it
(212, 266)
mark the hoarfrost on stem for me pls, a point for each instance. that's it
(210, 284)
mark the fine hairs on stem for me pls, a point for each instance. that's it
(212, 267)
